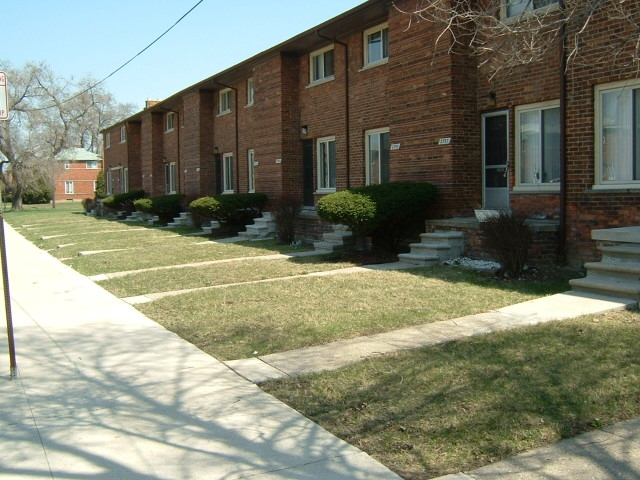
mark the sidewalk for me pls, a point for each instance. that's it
(104, 392)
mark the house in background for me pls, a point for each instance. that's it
(76, 174)
(375, 96)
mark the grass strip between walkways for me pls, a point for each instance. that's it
(451, 408)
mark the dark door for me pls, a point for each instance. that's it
(495, 156)
(307, 173)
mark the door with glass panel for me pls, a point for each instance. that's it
(495, 160)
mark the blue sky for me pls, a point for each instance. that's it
(77, 38)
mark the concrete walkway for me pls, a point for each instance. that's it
(103, 392)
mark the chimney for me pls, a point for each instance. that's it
(150, 103)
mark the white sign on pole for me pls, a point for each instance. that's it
(4, 97)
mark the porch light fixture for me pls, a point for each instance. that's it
(216, 150)
(491, 99)
(304, 130)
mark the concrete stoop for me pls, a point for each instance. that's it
(263, 227)
(341, 238)
(434, 248)
(208, 229)
(184, 220)
(617, 274)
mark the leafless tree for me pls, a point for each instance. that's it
(47, 114)
(526, 33)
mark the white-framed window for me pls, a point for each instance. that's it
(171, 121)
(321, 65)
(67, 165)
(376, 45)
(68, 188)
(326, 164)
(95, 185)
(170, 178)
(227, 172)
(251, 91)
(377, 154)
(520, 8)
(226, 101)
(251, 160)
(92, 164)
(617, 135)
(538, 146)
(124, 180)
(123, 134)
(107, 140)
(109, 182)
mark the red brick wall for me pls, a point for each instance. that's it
(83, 179)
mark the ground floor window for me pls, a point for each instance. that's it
(251, 160)
(170, 178)
(326, 164)
(377, 153)
(109, 182)
(538, 146)
(227, 172)
(617, 139)
(124, 180)
(68, 188)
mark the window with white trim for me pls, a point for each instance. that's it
(516, 8)
(251, 91)
(170, 174)
(68, 188)
(227, 172)
(123, 134)
(251, 160)
(376, 42)
(124, 180)
(321, 65)
(171, 121)
(67, 165)
(617, 134)
(326, 148)
(377, 154)
(109, 182)
(225, 103)
(92, 164)
(107, 140)
(538, 146)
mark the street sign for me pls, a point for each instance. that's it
(4, 97)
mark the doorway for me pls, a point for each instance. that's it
(495, 160)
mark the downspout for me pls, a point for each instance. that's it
(562, 232)
(346, 105)
(237, 154)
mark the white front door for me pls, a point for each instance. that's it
(495, 160)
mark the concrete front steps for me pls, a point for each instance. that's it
(263, 227)
(340, 239)
(618, 273)
(434, 248)
(184, 220)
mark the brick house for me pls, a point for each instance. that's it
(371, 96)
(77, 174)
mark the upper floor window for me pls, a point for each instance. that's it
(250, 91)
(376, 41)
(171, 121)
(107, 140)
(538, 146)
(123, 134)
(67, 165)
(326, 164)
(93, 164)
(321, 64)
(617, 134)
(225, 101)
(515, 8)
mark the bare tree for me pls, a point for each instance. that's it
(47, 114)
(507, 34)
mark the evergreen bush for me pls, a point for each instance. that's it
(123, 201)
(232, 210)
(355, 210)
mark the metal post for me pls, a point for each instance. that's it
(7, 303)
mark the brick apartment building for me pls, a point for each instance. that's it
(78, 173)
(375, 96)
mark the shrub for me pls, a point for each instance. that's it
(509, 237)
(101, 186)
(285, 211)
(401, 210)
(355, 210)
(88, 204)
(123, 201)
(233, 210)
(166, 207)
